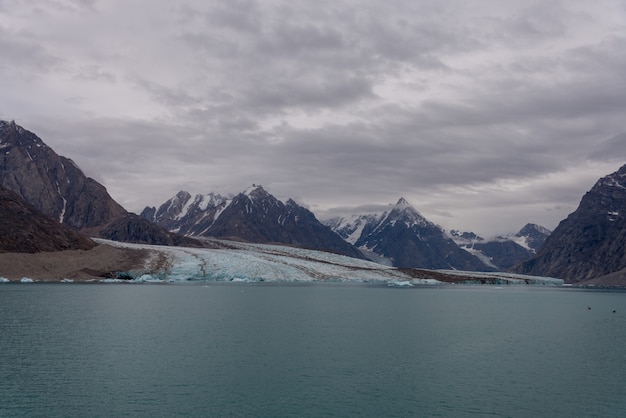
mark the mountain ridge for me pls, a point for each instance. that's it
(253, 215)
(402, 236)
(591, 242)
(58, 188)
(25, 229)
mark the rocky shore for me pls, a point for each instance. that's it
(100, 262)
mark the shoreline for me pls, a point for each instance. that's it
(100, 262)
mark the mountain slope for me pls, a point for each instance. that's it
(56, 186)
(503, 252)
(253, 215)
(24, 229)
(52, 183)
(590, 242)
(401, 234)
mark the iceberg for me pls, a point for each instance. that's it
(26, 280)
(4, 280)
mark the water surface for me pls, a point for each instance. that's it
(310, 350)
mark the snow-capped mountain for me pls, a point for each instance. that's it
(591, 243)
(404, 238)
(532, 236)
(186, 214)
(503, 251)
(253, 215)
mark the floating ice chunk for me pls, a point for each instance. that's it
(4, 280)
(67, 281)
(399, 283)
(26, 280)
(113, 281)
(148, 278)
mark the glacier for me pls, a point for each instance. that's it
(235, 261)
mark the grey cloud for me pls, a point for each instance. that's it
(306, 93)
(24, 57)
(458, 107)
(94, 73)
(612, 149)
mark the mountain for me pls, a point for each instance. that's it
(403, 237)
(532, 236)
(503, 252)
(187, 215)
(253, 215)
(57, 187)
(52, 183)
(24, 229)
(591, 242)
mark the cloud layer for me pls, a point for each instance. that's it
(484, 116)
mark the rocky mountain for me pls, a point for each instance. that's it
(591, 242)
(57, 187)
(24, 229)
(532, 236)
(52, 183)
(503, 252)
(187, 215)
(402, 237)
(253, 215)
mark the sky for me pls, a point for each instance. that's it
(484, 115)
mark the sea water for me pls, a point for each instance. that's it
(310, 350)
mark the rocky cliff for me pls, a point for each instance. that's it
(24, 229)
(590, 242)
(57, 187)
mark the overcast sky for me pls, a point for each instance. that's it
(484, 115)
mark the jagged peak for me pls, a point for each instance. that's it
(255, 190)
(183, 194)
(529, 227)
(405, 207)
(4, 123)
(616, 179)
(402, 202)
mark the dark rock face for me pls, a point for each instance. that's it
(187, 215)
(58, 188)
(404, 236)
(534, 235)
(503, 252)
(135, 229)
(254, 216)
(51, 183)
(24, 229)
(590, 242)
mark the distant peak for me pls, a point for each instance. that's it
(529, 228)
(402, 202)
(253, 188)
(9, 124)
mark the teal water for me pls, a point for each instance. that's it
(310, 350)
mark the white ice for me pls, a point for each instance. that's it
(244, 262)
